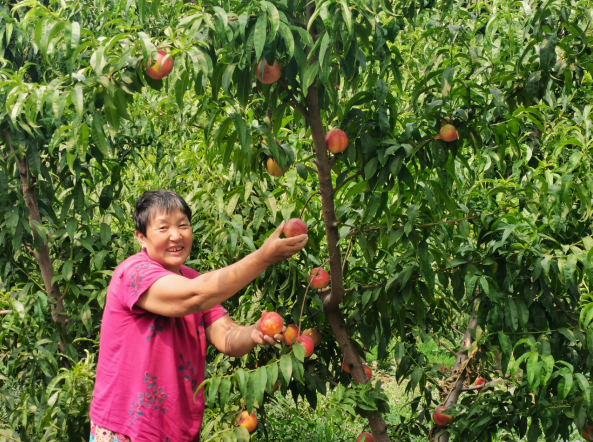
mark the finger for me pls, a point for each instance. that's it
(269, 340)
(283, 330)
(279, 337)
(295, 239)
(278, 230)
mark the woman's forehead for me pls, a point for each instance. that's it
(161, 215)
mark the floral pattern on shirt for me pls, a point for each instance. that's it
(188, 372)
(150, 401)
(137, 276)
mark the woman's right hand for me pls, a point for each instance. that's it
(276, 249)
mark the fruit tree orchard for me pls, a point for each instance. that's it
(437, 151)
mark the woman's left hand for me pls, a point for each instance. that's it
(260, 339)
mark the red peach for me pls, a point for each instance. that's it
(441, 418)
(291, 334)
(313, 334)
(365, 437)
(160, 69)
(336, 141)
(271, 323)
(249, 421)
(368, 372)
(480, 381)
(307, 342)
(318, 278)
(295, 227)
(271, 73)
(345, 367)
(273, 168)
(448, 133)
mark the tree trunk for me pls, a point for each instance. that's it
(331, 303)
(42, 254)
(462, 356)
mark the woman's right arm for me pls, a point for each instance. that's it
(176, 296)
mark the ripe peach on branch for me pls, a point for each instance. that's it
(336, 141)
(365, 437)
(249, 421)
(271, 74)
(307, 342)
(271, 323)
(441, 418)
(291, 334)
(161, 67)
(319, 278)
(313, 334)
(273, 168)
(295, 227)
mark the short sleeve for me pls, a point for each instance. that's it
(137, 278)
(213, 315)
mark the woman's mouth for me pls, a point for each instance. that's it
(174, 249)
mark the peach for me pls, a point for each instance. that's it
(336, 141)
(480, 381)
(365, 437)
(291, 334)
(160, 69)
(307, 342)
(587, 433)
(448, 133)
(249, 421)
(273, 168)
(441, 418)
(345, 367)
(313, 334)
(368, 372)
(318, 278)
(295, 227)
(271, 73)
(271, 323)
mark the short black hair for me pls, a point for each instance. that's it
(156, 201)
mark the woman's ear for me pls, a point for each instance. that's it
(141, 239)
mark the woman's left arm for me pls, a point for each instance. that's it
(237, 340)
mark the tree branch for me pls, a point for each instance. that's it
(307, 203)
(418, 226)
(346, 181)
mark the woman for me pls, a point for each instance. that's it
(158, 318)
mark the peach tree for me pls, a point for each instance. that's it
(461, 200)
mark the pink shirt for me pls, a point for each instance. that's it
(149, 365)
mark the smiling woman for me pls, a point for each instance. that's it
(159, 317)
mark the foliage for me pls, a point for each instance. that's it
(498, 219)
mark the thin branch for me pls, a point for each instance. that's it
(300, 25)
(346, 256)
(315, 171)
(305, 295)
(294, 100)
(307, 203)
(237, 18)
(417, 226)
(346, 181)
(5, 312)
(450, 351)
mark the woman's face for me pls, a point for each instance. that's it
(168, 239)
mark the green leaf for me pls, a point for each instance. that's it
(105, 234)
(565, 385)
(286, 368)
(286, 34)
(547, 52)
(272, 377)
(532, 86)
(447, 81)
(98, 136)
(259, 39)
(274, 19)
(299, 351)
(511, 309)
(225, 389)
(347, 15)
(213, 391)
(148, 48)
(534, 430)
(532, 366)
(370, 168)
(67, 270)
(260, 379)
(584, 386)
(310, 76)
(250, 392)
